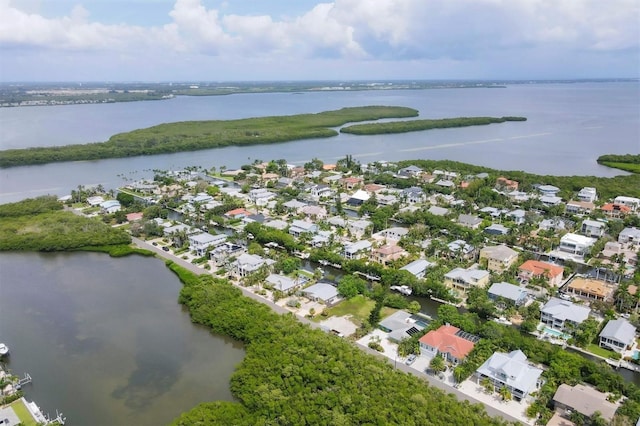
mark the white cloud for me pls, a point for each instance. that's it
(452, 31)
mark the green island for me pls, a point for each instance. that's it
(628, 162)
(419, 125)
(197, 135)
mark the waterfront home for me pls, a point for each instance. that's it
(237, 213)
(438, 211)
(470, 221)
(278, 224)
(393, 234)
(246, 264)
(410, 171)
(548, 190)
(320, 191)
(358, 228)
(593, 228)
(496, 229)
(261, 196)
(590, 289)
(629, 235)
(413, 195)
(356, 250)
(400, 325)
(201, 198)
(563, 315)
(615, 211)
(499, 258)
(201, 242)
(282, 282)
(587, 194)
(462, 280)
(449, 342)
(110, 206)
(584, 400)
(358, 198)
(299, 227)
(576, 244)
(535, 269)
(95, 200)
(631, 202)
(618, 335)
(513, 294)
(418, 267)
(504, 184)
(321, 292)
(511, 371)
(387, 253)
(579, 207)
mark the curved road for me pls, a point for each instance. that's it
(492, 411)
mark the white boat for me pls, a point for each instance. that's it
(4, 349)
(404, 289)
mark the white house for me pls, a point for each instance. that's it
(587, 194)
(617, 335)
(201, 242)
(357, 249)
(418, 267)
(247, 264)
(260, 196)
(299, 227)
(513, 293)
(593, 228)
(562, 314)
(629, 235)
(511, 370)
(576, 244)
(631, 202)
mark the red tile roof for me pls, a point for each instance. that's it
(445, 340)
(538, 268)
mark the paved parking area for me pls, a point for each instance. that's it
(342, 324)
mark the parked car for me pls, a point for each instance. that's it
(410, 359)
(165, 248)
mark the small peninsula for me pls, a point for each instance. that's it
(628, 162)
(197, 135)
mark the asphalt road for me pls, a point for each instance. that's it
(492, 411)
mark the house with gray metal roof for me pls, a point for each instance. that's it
(400, 325)
(418, 267)
(357, 249)
(282, 282)
(505, 291)
(559, 314)
(617, 335)
(511, 370)
(322, 292)
(583, 399)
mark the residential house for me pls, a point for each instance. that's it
(590, 289)
(438, 211)
(445, 183)
(358, 228)
(283, 283)
(246, 264)
(470, 221)
(261, 196)
(587, 194)
(394, 234)
(584, 400)
(562, 314)
(299, 227)
(293, 205)
(388, 253)
(496, 229)
(418, 267)
(499, 258)
(201, 198)
(548, 190)
(511, 371)
(410, 171)
(552, 224)
(550, 200)
(351, 182)
(576, 244)
(320, 191)
(593, 228)
(579, 207)
(321, 292)
(504, 184)
(618, 335)
(278, 224)
(462, 280)
(314, 212)
(413, 195)
(513, 294)
(373, 188)
(629, 235)
(449, 342)
(356, 250)
(460, 248)
(631, 202)
(534, 269)
(615, 211)
(400, 325)
(110, 206)
(239, 213)
(518, 216)
(178, 233)
(200, 243)
(94, 201)
(358, 198)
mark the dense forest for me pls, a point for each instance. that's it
(295, 375)
(39, 225)
(419, 125)
(627, 162)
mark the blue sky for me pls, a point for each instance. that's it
(198, 40)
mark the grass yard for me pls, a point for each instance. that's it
(597, 350)
(359, 308)
(23, 413)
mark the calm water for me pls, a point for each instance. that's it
(106, 341)
(568, 127)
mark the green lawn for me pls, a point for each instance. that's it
(597, 350)
(359, 308)
(23, 413)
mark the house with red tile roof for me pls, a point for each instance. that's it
(237, 213)
(534, 269)
(449, 342)
(615, 210)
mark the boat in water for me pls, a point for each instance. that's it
(4, 349)
(404, 289)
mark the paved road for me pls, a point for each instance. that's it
(492, 411)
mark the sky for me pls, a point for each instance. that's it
(289, 40)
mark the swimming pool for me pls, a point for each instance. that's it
(554, 333)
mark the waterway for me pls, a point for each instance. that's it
(568, 127)
(106, 341)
